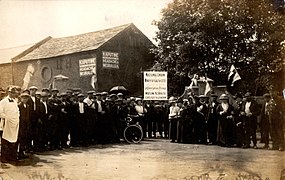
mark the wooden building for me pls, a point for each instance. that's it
(107, 58)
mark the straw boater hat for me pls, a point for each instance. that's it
(33, 87)
(172, 99)
(224, 97)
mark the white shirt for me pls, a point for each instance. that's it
(45, 104)
(81, 107)
(225, 106)
(140, 109)
(9, 112)
(89, 102)
(99, 106)
(174, 111)
(34, 100)
(247, 105)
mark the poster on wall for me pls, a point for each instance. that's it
(110, 60)
(87, 66)
(155, 85)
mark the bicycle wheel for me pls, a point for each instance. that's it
(133, 134)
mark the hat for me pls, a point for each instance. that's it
(38, 93)
(120, 94)
(24, 95)
(113, 95)
(138, 99)
(224, 97)
(132, 98)
(45, 90)
(185, 100)
(104, 93)
(18, 88)
(80, 95)
(54, 89)
(97, 94)
(90, 92)
(33, 87)
(266, 95)
(172, 99)
(248, 94)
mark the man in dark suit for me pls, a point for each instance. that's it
(212, 123)
(250, 111)
(264, 123)
(24, 125)
(102, 120)
(79, 135)
(46, 120)
(35, 125)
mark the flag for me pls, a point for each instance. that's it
(207, 88)
(233, 76)
(94, 79)
(29, 73)
(193, 81)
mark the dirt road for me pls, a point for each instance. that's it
(151, 159)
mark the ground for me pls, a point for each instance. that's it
(151, 159)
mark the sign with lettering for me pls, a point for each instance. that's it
(155, 85)
(87, 67)
(110, 60)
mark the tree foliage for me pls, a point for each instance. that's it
(207, 36)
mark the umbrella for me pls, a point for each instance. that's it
(60, 77)
(118, 89)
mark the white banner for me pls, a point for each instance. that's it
(110, 60)
(87, 66)
(155, 85)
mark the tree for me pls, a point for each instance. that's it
(208, 36)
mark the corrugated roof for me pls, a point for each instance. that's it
(67, 45)
(8, 53)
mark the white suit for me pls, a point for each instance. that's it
(9, 112)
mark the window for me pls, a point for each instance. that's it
(59, 64)
(68, 63)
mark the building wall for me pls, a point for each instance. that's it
(6, 75)
(46, 69)
(134, 56)
(133, 48)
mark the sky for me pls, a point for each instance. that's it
(29, 21)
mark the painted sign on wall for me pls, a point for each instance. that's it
(110, 59)
(155, 85)
(87, 66)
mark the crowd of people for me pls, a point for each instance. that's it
(37, 121)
